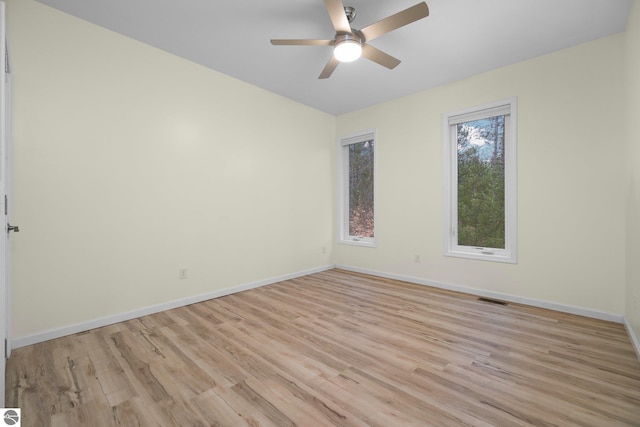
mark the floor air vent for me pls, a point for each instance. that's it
(492, 301)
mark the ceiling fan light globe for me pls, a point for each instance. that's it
(347, 51)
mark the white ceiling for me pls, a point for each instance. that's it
(460, 38)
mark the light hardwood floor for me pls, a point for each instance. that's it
(334, 349)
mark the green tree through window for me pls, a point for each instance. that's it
(361, 189)
(481, 183)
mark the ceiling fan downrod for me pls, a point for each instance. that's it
(350, 12)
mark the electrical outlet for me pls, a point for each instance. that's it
(416, 259)
(324, 250)
(182, 273)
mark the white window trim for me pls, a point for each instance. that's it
(343, 192)
(451, 247)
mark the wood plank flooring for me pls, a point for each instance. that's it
(334, 349)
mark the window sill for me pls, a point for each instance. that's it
(368, 243)
(505, 258)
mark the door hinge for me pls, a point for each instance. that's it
(6, 348)
(7, 70)
(6, 205)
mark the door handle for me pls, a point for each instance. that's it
(13, 228)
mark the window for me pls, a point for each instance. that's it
(480, 182)
(356, 180)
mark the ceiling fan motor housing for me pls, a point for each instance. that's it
(348, 38)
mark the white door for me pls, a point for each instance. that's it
(7, 102)
(4, 197)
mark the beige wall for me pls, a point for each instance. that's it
(571, 222)
(130, 163)
(633, 156)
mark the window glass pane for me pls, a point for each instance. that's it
(361, 189)
(481, 183)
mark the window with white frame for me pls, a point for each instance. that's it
(480, 182)
(357, 188)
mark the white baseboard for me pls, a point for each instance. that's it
(635, 339)
(602, 315)
(121, 317)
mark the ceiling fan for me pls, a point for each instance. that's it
(349, 44)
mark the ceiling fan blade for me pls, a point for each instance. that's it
(302, 42)
(400, 19)
(337, 15)
(328, 69)
(378, 56)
